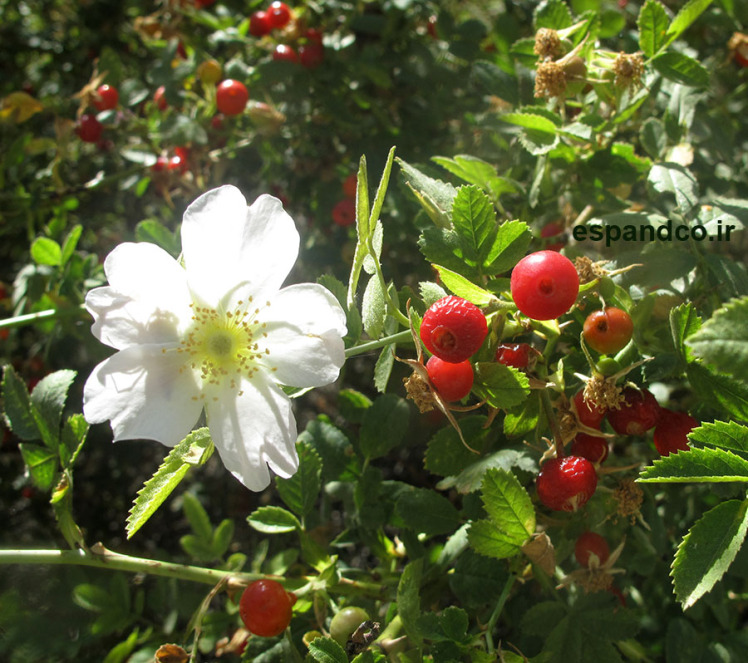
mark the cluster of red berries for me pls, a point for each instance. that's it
(89, 129)
(344, 212)
(177, 163)
(566, 484)
(453, 330)
(278, 15)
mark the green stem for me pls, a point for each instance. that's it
(40, 316)
(497, 611)
(379, 343)
(102, 558)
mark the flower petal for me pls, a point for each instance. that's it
(144, 394)
(120, 321)
(254, 430)
(226, 243)
(147, 300)
(305, 329)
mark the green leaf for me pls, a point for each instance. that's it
(653, 23)
(674, 178)
(474, 221)
(476, 171)
(430, 292)
(708, 549)
(470, 479)
(71, 241)
(653, 137)
(273, 520)
(697, 465)
(443, 247)
(383, 368)
(373, 308)
(326, 650)
(723, 434)
(539, 134)
(427, 512)
(330, 443)
(48, 401)
(409, 599)
(195, 449)
(42, 464)
(17, 406)
(510, 245)
(487, 539)
(685, 17)
(681, 69)
(435, 196)
(300, 491)
(684, 322)
(376, 208)
(156, 233)
(508, 505)
(384, 426)
(74, 433)
(45, 251)
(501, 386)
(720, 391)
(722, 340)
(198, 518)
(222, 536)
(553, 14)
(461, 287)
(446, 455)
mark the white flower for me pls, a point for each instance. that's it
(215, 333)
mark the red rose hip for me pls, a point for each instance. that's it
(278, 14)
(594, 449)
(590, 544)
(231, 97)
(265, 608)
(107, 97)
(89, 128)
(638, 413)
(587, 413)
(544, 285)
(453, 329)
(608, 331)
(566, 484)
(344, 213)
(516, 355)
(452, 381)
(670, 434)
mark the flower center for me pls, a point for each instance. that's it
(223, 346)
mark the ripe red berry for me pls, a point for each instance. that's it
(177, 164)
(344, 213)
(553, 231)
(587, 413)
(107, 97)
(89, 128)
(231, 97)
(278, 14)
(741, 54)
(286, 53)
(589, 544)
(638, 413)
(670, 434)
(544, 285)
(516, 355)
(452, 381)
(453, 329)
(159, 98)
(566, 484)
(594, 449)
(350, 184)
(311, 55)
(202, 4)
(312, 34)
(608, 330)
(259, 24)
(265, 608)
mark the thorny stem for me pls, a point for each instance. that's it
(497, 611)
(102, 558)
